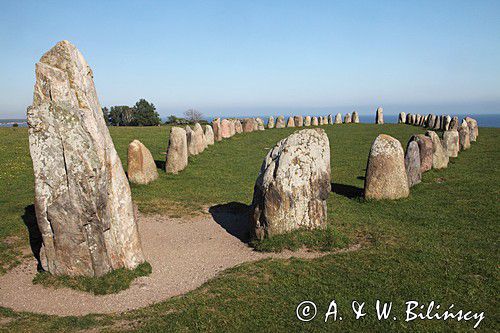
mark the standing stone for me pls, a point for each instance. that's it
(293, 185)
(330, 119)
(446, 124)
(199, 138)
(260, 124)
(473, 128)
(402, 118)
(412, 164)
(424, 151)
(209, 135)
(177, 151)
(464, 136)
(191, 142)
(270, 122)
(347, 118)
(454, 124)
(385, 173)
(325, 120)
(437, 123)
(451, 143)
(225, 128)
(307, 121)
(408, 119)
(216, 126)
(355, 117)
(248, 125)
(314, 121)
(431, 120)
(299, 121)
(232, 127)
(291, 122)
(413, 119)
(141, 164)
(439, 157)
(379, 118)
(280, 122)
(320, 120)
(238, 127)
(338, 118)
(83, 203)
(255, 125)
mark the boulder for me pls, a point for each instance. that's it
(320, 120)
(413, 119)
(191, 142)
(347, 118)
(330, 119)
(412, 164)
(437, 123)
(338, 118)
(177, 151)
(217, 129)
(314, 121)
(280, 122)
(385, 173)
(424, 151)
(199, 138)
(446, 123)
(237, 126)
(355, 117)
(291, 122)
(249, 125)
(408, 119)
(307, 121)
(270, 122)
(417, 120)
(232, 127)
(431, 120)
(255, 125)
(83, 204)
(141, 164)
(439, 157)
(402, 118)
(293, 185)
(299, 121)
(260, 124)
(225, 128)
(464, 136)
(325, 120)
(451, 143)
(379, 118)
(209, 135)
(473, 128)
(454, 124)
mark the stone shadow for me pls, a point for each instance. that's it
(347, 191)
(160, 164)
(35, 236)
(234, 218)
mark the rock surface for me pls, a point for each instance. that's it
(83, 203)
(425, 151)
(454, 124)
(464, 137)
(473, 128)
(451, 143)
(225, 128)
(412, 164)
(291, 122)
(379, 118)
(307, 121)
(199, 137)
(209, 135)
(439, 157)
(270, 122)
(249, 125)
(260, 124)
(299, 121)
(141, 166)
(402, 118)
(355, 117)
(385, 173)
(314, 121)
(338, 118)
(330, 119)
(347, 118)
(293, 185)
(191, 142)
(177, 151)
(280, 122)
(217, 129)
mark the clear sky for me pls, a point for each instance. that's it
(264, 57)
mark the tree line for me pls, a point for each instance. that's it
(142, 113)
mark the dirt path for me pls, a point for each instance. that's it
(183, 254)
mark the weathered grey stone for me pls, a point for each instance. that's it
(454, 124)
(412, 164)
(473, 128)
(379, 118)
(417, 120)
(446, 123)
(232, 127)
(280, 122)
(425, 151)
(347, 118)
(413, 119)
(237, 126)
(330, 119)
(408, 119)
(355, 117)
(83, 203)
(437, 123)
(451, 143)
(177, 151)
(385, 173)
(199, 136)
(260, 124)
(141, 166)
(439, 157)
(307, 121)
(217, 129)
(299, 121)
(249, 125)
(431, 120)
(338, 118)
(270, 122)
(325, 120)
(402, 118)
(464, 136)
(291, 122)
(191, 142)
(314, 121)
(255, 125)
(225, 129)
(209, 135)
(293, 185)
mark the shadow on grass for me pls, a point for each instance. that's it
(160, 164)
(35, 236)
(234, 218)
(348, 191)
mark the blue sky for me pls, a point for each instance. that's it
(264, 57)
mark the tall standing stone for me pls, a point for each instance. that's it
(291, 122)
(307, 121)
(83, 203)
(408, 119)
(248, 125)
(320, 120)
(379, 118)
(299, 121)
(412, 164)
(355, 117)
(439, 157)
(314, 121)
(450, 143)
(330, 119)
(217, 129)
(473, 128)
(347, 118)
(280, 122)
(177, 151)
(238, 127)
(141, 166)
(425, 151)
(191, 142)
(225, 128)
(209, 135)
(200, 141)
(446, 123)
(464, 136)
(260, 124)
(338, 118)
(385, 173)
(270, 122)
(325, 120)
(454, 124)
(402, 118)
(293, 185)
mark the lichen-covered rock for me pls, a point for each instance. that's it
(209, 135)
(439, 157)
(293, 185)
(177, 151)
(141, 166)
(338, 118)
(260, 124)
(299, 121)
(280, 122)
(291, 122)
(314, 121)
(402, 118)
(355, 117)
(425, 151)
(83, 203)
(307, 121)
(347, 118)
(451, 143)
(385, 173)
(270, 122)
(412, 164)
(217, 129)
(464, 136)
(473, 128)
(379, 118)
(249, 125)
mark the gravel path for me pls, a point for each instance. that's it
(183, 253)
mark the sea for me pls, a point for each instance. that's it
(484, 120)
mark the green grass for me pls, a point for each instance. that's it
(441, 243)
(110, 283)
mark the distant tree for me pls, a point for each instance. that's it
(144, 114)
(15, 125)
(121, 115)
(105, 114)
(193, 115)
(176, 120)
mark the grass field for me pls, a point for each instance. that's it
(439, 244)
